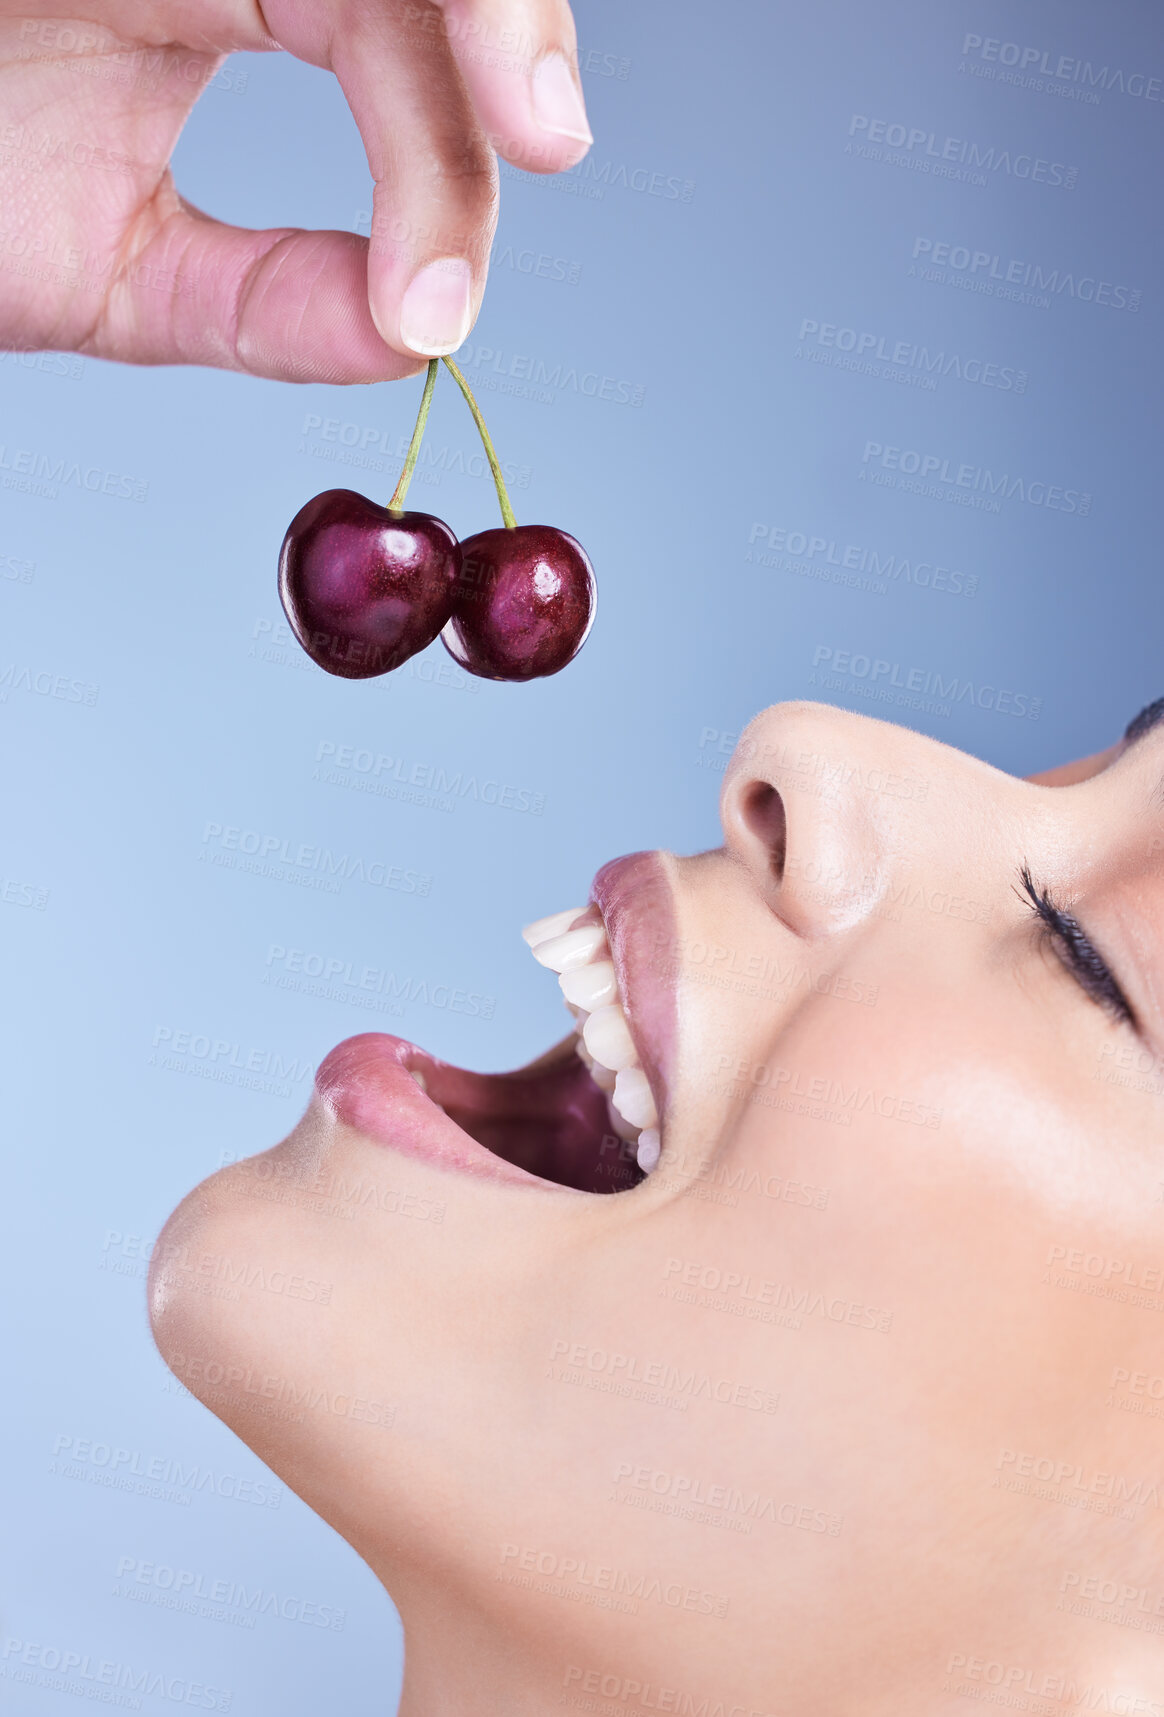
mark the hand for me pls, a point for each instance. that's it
(99, 253)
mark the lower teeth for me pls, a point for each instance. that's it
(602, 1076)
(646, 1139)
(648, 1149)
(625, 1129)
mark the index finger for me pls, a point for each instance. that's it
(434, 203)
(519, 60)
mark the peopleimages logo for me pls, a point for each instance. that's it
(852, 557)
(337, 979)
(164, 1477)
(47, 363)
(365, 770)
(865, 350)
(33, 150)
(591, 178)
(978, 480)
(274, 856)
(203, 1594)
(106, 1680)
(1011, 277)
(548, 374)
(1032, 64)
(926, 682)
(44, 683)
(14, 893)
(369, 445)
(33, 472)
(930, 152)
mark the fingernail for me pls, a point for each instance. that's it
(557, 105)
(437, 309)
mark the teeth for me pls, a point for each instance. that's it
(633, 1100)
(586, 975)
(625, 1129)
(591, 986)
(564, 952)
(648, 1149)
(542, 929)
(603, 1077)
(608, 1038)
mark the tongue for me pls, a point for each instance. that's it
(549, 1118)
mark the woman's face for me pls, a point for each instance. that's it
(853, 1403)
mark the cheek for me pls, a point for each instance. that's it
(845, 1180)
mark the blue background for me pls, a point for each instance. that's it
(725, 205)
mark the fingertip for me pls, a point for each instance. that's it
(425, 315)
(556, 100)
(541, 151)
(436, 311)
(533, 112)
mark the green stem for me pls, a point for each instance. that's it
(507, 515)
(396, 504)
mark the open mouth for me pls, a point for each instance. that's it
(585, 1115)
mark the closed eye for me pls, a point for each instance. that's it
(1076, 951)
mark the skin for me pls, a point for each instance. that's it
(881, 865)
(99, 253)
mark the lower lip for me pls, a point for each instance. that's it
(367, 1083)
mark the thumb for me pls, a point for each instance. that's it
(286, 304)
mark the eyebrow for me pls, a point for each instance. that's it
(1149, 717)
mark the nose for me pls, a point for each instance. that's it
(805, 809)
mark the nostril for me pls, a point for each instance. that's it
(762, 809)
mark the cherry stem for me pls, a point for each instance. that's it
(396, 504)
(507, 514)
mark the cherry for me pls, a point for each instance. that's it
(523, 604)
(525, 598)
(365, 587)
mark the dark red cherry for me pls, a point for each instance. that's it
(364, 588)
(524, 603)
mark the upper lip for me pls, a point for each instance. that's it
(548, 1112)
(634, 895)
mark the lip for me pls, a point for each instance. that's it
(635, 897)
(371, 1082)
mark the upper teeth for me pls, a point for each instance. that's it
(608, 1038)
(590, 987)
(585, 970)
(543, 929)
(573, 948)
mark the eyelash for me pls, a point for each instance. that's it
(1074, 948)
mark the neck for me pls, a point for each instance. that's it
(461, 1664)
